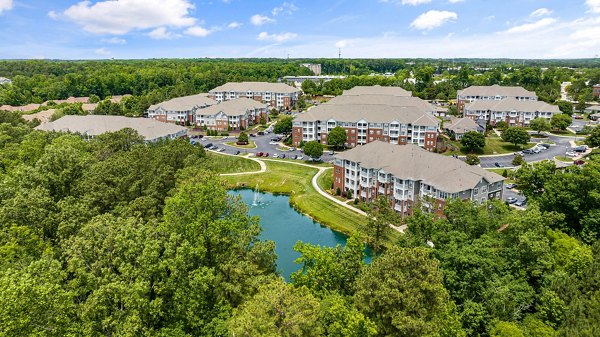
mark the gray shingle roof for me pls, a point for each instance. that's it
(378, 90)
(234, 107)
(256, 87)
(186, 103)
(462, 125)
(95, 125)
(510, 104)
(370, 113)
(594, 108)
(494, 90)
(409, 161)
(399, 101)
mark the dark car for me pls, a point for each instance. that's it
(237, 152)
(547, 146)
(511, 200)
(261, 133)
(208, 146)
(580, 149)
(282, 156)
(511, 186)
(266, 154)
(528, 151)
(252, 135)
(521, 203)
(259, 154)
(294, 157)
(497, 164)
(579, 162)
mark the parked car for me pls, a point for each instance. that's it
(272, 143)
(222, 149)
(521, 203)
(294, 157)
(497, 164)
(331, 153)
(511, 186)
(579, 162)
(581, 148)
(237, 152)
(266, 154)
(259, 154)
(208, 146)
(252, 135)
(275, 155)
(511, 200)
(282, 156)
(527, 151)
(571, 154)
(300, 157)
(536, 150)
(261, 133)
(544, 145)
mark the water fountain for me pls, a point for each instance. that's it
(256, 199)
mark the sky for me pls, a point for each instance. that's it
(138, 29)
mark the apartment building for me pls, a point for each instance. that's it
(180, 110)
(277, 95)
(236, 114)
(314, 67)
(492, 93)
(377, 90)
(596, 90)
(367, 123)
(409, 175)
(510, 110)
(457, 127)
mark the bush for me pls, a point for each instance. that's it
(356, 201)
(349, 194)
(338, 191)
(243, 138)
(472, 159)
(518, 160)
(505, 173)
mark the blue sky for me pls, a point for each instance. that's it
(61, 29)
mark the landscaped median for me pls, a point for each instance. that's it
(229, 164)
(493, 145)
(250, 145)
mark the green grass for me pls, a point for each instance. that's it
(500, 171)
(229, 164)
(251, 145)
(562, 133)
(493, 145)
(295, 181)
(564, 159)
(325, 181)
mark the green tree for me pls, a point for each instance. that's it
(518, 160)
(560, 122)
(309, 88)
(532, 177)
(501, 125)
(593, 140)
(472, 159)
(243, 138)
(539, 124)
(565, 107)
(283, 126)
(401, 291)
(337, 137)
(73, 109)
(278, 309)
(340, 318)
(506, 329)
(473, 141)
(516, 135)
(313, 149)
(381, 216)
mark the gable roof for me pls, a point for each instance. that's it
(496, 90)
(234, 107)
(186, 103)
(398, 101)
(256, 87)
(512, 104)
(378, 90)
(409, 161)
(95, 125)
(462, 125)
(370, 113)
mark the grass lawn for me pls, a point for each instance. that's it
(500, 171)
(229, 164)
(562, 133)
(564, 159)
(325, 181)
(493, 145)
(295, 181)
(251, 145)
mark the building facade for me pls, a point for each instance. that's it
(314, 67)
(510, 110)
(276, 95)
(410, 177)
(596, 90)
(238, 114)
(180, 110)
(492, 93)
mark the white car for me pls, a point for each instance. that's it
(300, 157)
(275, 155)
(571, 154)
(273, 143)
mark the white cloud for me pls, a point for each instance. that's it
(530, 27)
(343, 43)
(285, 8)
(161, 33)
(408, 2)
(281, 37)
(114, 40)
(102, 52)
(5, 5)
(455, 1)
(540, 12)
(234, 25)
(594, 5)
(259, 20)
(122, 16)
(433, 19)
(52, 15)
(198, 31)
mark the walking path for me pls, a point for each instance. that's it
(263, 166)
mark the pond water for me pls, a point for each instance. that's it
(285, 226)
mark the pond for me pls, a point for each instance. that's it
(285, 226)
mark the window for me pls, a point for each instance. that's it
(476, 191)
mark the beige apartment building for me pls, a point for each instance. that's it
(510, 110)
(180, 110)
(492, 93)
(238, 114)
(276, 95)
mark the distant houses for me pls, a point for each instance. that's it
(276, 95)
(94, 125)
(510, 110)
(180, 110)
(410, 176)
(238, 114)
(492, 93)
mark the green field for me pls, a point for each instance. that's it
(229, 164)
(325, 181)
(493, 145)
(295, 181)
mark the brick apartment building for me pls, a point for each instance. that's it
(277, 95)
(180, 110)
(510, 110)
(237, 114)
(408, 175)
(492, 93)
(368, 114)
